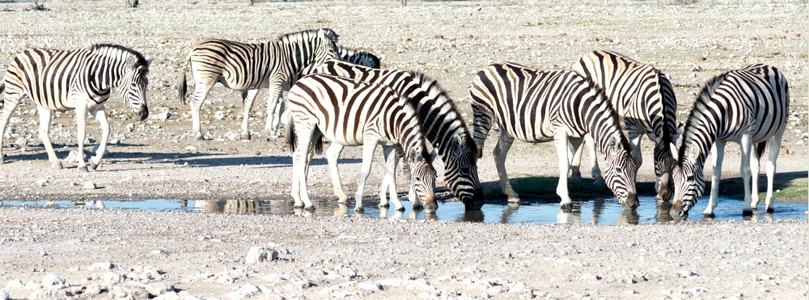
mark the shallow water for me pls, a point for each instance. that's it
(600, 211)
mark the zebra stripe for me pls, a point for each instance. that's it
(443, 125)
(645, 102)
(249, 67)
(80, 80)
(352, 113)
(538, 106)
(749, 106)
(359, 57)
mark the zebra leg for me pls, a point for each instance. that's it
(718, 153)
(299, 161)
(561, 140)
(274, 108)
(754, 169)
(201, 91)
(411, 193)
(500, 151)
(575, 159)
(44, 135)
(775, 147)
(746, 144)
(11, 101)
(391, 160)
(100, 114)
(81, 133)
(332, 155)
(248, 99)
(367, 158)
(595, 172)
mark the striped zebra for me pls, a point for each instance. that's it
(539, 106)
(352, 113)
(749, 106)
(249, 67)
(644, 100)
(80, 80)
(359, 57)
(443, 126)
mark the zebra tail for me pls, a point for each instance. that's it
(760, 149)
(319, 144)
(2, 88)
(182, 85)
(292, 139)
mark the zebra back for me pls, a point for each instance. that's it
(356, 56)
(443, 124)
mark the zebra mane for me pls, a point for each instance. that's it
(612, 112)
(431, 86)
(307, 34)
(139, 59)
(704, 97)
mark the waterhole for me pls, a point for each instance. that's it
(599, 211)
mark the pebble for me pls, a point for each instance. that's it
(260, 254)
(14, 284)
(53, 280)
(42, 182)
(159, 288)
(101, 266)
(219, 115)
(3, 295)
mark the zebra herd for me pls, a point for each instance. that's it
(607, 101)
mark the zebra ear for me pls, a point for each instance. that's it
(615, 144)
(675, 138)
(433, 154)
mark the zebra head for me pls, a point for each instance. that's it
(621, 171)
(461, 172)
(327, 45)
(133, 88)
(423, 178)
(689, 183)
(665, 163)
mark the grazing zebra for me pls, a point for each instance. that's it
(644, 100)
(539, 106)
(749, 106)
(80, 80)
(249, 67)
(359, 57)
(352, 113)
(443, 126)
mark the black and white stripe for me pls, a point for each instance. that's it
(351, 113)
(359, 57)
(644, 100)
(539, 106)
(749, 106)
(80, 80)
(443, 125)
(249, 67)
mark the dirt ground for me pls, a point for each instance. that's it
(47, 253)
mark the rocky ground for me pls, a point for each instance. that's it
(52, 253)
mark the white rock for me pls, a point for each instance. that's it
(159, 288)
(22, 142)
(72, 157)
(100, 266)
(233, 135)
(260, 254)
(111, 278)
(89, 185)
(42, 182)
(3, 295)
(219, 115)
(244, 291)
(130, 127)
(191, 149)
(114, 141)
(370, 286)
(14, 284)
(53, 280)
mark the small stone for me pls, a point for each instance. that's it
(590, 277)
(233, 135)
(244, 291)
(219, 115)
(3, 295)
(191, 149)
(101, 266)
(260, 254)
(21, 142)
(696, 68)
(42, 182)
(93, 290)
(784, 150)
(370, 286)
(159, 288)
(686, 273)
(14, 284)
(89, 185)
(699, 58)
(225, 279)
(130, 127)
(114, 141)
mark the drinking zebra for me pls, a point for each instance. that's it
(444, 128)
(644, 100)
(353, 113)
(80, 80)
(539, 106)
(749, 106)
(249, 67)
(359, 57)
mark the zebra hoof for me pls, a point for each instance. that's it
(246, 137)
(199, 138)
(93, 166)
(770, 210)
(566, 207)
(513, 200)
(708, 216)
(418, 206)
(400, 208)
(309, 208)
(747, 213)
(385, 205)
(56, 165)
(359, 210)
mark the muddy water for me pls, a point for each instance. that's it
(599, 211)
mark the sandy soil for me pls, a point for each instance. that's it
(120, 254)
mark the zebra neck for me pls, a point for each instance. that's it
(699, 138)
(107, 74)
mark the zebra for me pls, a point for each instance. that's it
(443, 125)
(539, 106)
(249, 67)
(80, 80)
(645, 102)
(359, 57)
(749, 106)
(352, 113)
